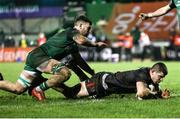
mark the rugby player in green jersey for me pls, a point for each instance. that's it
(163, 10)
(45, 59)
(76, 63)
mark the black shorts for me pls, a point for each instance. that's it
(95, 85)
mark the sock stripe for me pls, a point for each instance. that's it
(44, 86)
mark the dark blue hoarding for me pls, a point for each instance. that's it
(30, 12)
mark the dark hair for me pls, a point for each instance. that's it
(160, 67)
(82, 18)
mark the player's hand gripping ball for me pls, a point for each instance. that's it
(165, 94)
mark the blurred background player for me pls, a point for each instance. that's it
(45, 59)
(162, 11)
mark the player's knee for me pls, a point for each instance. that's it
(63, 75)
(60, 77)
(58, 68)
(19, 91)
(22, 84)
(66, 73)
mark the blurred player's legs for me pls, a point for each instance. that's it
(68, 92)
(70, 64)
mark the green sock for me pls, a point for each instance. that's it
(43, 86)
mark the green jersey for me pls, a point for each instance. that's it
(57, 47)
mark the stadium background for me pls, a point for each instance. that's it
(34, 16)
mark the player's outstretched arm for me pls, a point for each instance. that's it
(161, 11)
(82, 40)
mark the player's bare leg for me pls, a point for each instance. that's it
(21, 85)
(59, 72)
(77, 91)
(83, 91)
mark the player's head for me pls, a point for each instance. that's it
(158, 71)
(82, 24)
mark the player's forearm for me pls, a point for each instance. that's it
(79, 39)
(89, 44)
(160, 12)
(144, 94)
(82, 64)
(82, 76)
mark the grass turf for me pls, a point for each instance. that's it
(56, 106)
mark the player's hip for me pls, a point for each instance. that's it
(97, 86)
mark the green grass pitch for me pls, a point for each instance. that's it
(114, 106)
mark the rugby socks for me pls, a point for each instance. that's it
(72, 92)
(42, 87)
(1, 77)
(40, 79)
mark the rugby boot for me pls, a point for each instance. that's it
(38, 95)
(36, 82)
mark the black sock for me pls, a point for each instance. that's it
(1, 77)
(72, 91)
(37, 81)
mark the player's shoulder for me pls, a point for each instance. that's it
(142, 72)
(71, 31)
(143, 69)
